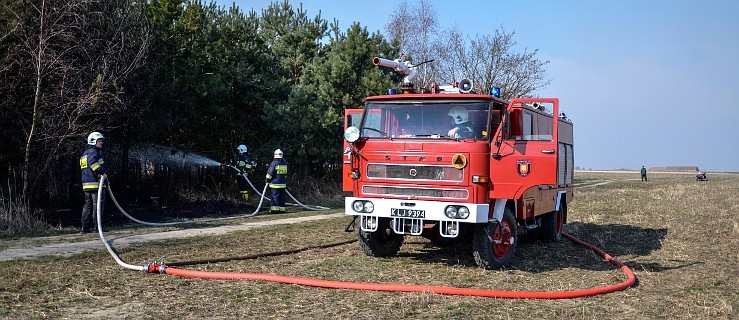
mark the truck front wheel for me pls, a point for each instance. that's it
(382, 243)
(495, 242)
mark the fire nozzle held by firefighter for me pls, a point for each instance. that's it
(225, 165)
(406, 67)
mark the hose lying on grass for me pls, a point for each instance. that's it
(263, 197)
(160, 267)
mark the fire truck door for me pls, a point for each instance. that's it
(528, 156)
(352, 117)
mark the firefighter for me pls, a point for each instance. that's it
(276, 179)
(643, 173)
(461, 122)
(93, 169)
(245, 166)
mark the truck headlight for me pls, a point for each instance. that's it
(450, 212)
(363, 206)
(463, 212)
(369, 207)
(358, 206)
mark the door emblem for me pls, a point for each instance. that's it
(524, 167)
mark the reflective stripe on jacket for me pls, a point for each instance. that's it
(92, 165)
(277, 174)
(244, 163)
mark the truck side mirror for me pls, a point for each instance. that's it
(506, 124)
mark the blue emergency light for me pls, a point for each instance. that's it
(495, 92)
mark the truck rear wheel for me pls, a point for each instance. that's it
(382, 243)
(495, 242)
(551, 225)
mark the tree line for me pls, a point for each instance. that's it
(197, 77)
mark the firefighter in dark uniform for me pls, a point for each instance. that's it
(93, 168)
(276, 178)
(245, 166)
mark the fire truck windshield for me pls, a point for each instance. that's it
(427, 120)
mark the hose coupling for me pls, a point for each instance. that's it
(155, 268)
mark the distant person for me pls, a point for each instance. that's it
(245, 166)
(277, 180)
(461, 122)
(643, 173)
(701, 177)
(93, 169)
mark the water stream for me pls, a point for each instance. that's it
(150, 153)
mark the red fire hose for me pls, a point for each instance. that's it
(158, 268)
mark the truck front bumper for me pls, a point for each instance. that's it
(417, 209)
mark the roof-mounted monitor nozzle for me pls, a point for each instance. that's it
(406, 67)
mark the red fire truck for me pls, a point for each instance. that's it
(451, 164)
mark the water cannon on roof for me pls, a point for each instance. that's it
(406, 67)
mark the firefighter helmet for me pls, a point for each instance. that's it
(93, 138)
(241, 148)
(459, 115)
(278, 154)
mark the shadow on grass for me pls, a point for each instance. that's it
(533, 256)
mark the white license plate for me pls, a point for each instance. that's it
(407, 213)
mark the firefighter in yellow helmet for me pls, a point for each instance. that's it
(276, 179)
(93, 169)
(245, 166)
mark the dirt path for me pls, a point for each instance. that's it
(593, 183)
(71, 248)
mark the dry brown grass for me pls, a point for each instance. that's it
(17, 216)
(679, 237)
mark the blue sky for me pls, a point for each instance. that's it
(650, 83)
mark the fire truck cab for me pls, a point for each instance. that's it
(452, 165)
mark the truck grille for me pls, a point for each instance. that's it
(416, 192)
(415, 172)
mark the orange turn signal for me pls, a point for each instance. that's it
(480, 179)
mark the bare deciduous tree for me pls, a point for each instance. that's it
(415, 28)
(487, 60)
(74, 55)
(490, 60)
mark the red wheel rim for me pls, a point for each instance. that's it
(502, 234)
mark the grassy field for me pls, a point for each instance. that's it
(679, 236)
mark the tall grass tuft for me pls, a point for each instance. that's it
(312, 191)
(17, 216)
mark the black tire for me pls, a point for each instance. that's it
(551, 225)
(382, 243)
(487, 253)
(436, 238)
